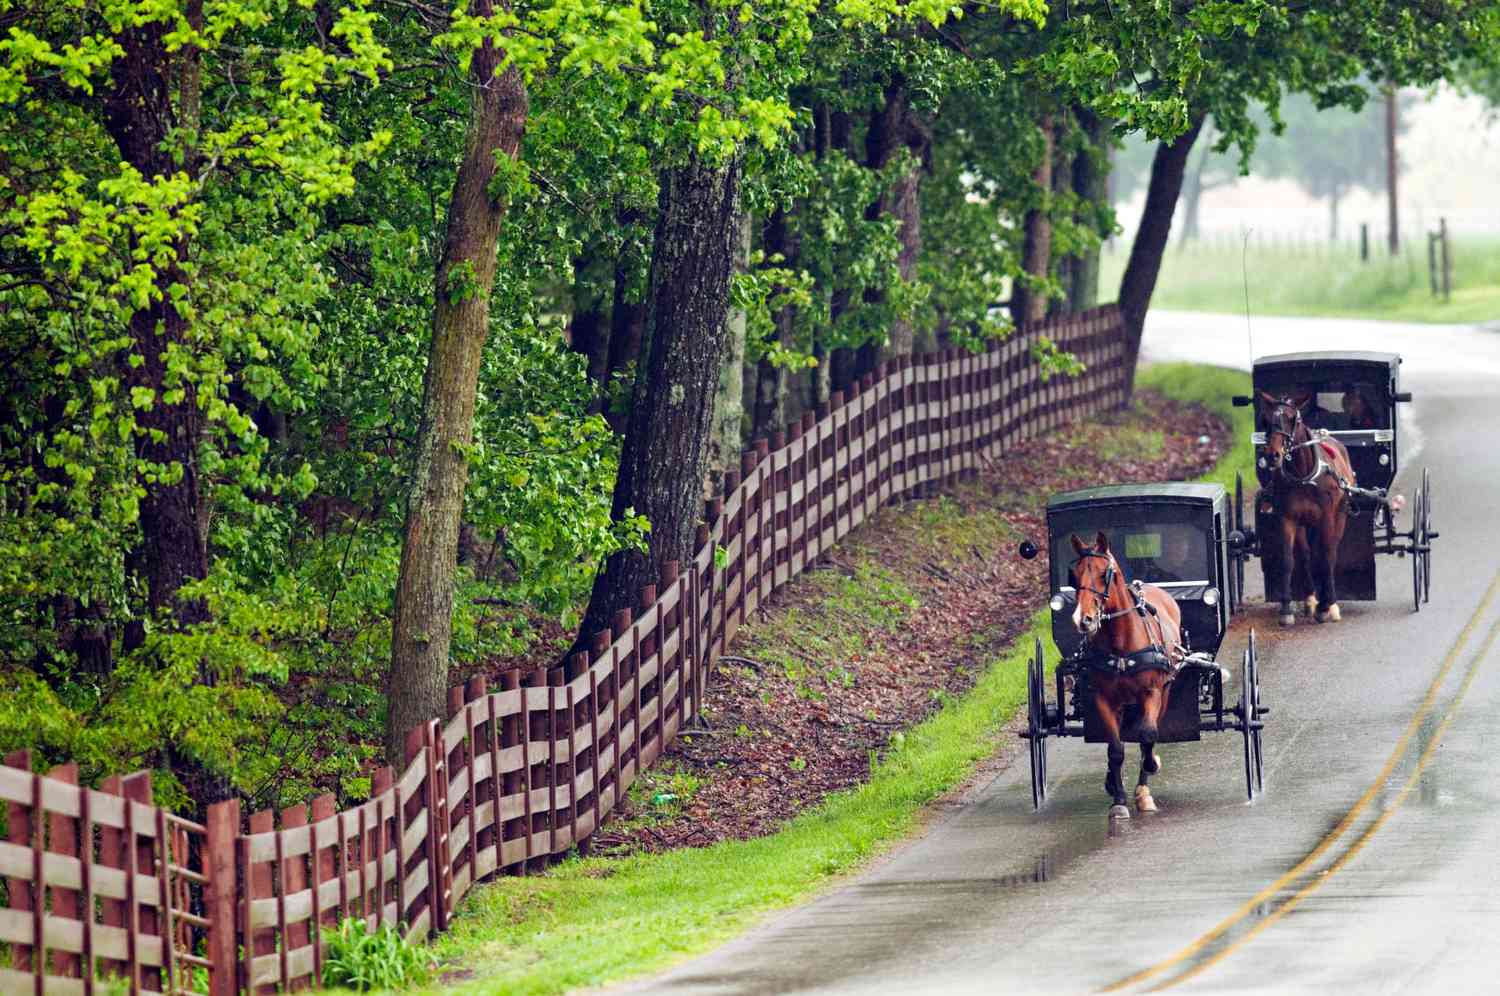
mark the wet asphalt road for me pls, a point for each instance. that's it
(1370, 864)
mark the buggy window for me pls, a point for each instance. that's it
(1151, 551)
(1337, 403)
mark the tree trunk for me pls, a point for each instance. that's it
(1334, 196)
(1139, 279)
(422, 627)
(729, 404)
(1090, 182)
(588, 332)
(893, 126)
(1027, 305)
(771, 394)
(1192, 197)
(1392, 168)
(666, 447)
(139, 117)
(627, 323)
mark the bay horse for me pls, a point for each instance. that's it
(1310, 478)
(1138, 630)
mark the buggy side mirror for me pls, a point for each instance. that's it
(1240, 401)
(1401, 396)
(1027, 550)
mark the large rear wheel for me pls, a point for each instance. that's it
(1248, 712)
(1428, 535)
(1036, 726)
(1257, 710)
(1417, 510)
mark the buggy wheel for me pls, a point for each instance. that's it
(1255, 713)
(1416, 541)
(1238, 601)
(1245, 710)
(1036, 729)
(1427, 536)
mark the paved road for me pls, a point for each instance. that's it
(1370, 863)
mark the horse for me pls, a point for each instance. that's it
(1310, 478)
(1139, 623)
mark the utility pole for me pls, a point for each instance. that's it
(1394, 231)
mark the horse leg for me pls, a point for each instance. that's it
(1150, 765)
(1304, 568)
(1288, 556)
(1113, 784)
(1332, 535)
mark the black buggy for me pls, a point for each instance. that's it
(1352, 396)
(1184, 539)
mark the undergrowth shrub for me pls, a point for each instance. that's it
(363, 960)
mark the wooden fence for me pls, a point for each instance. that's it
(98, 883)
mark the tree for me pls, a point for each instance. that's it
(421, 631)
(162, 166)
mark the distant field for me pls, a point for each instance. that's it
(1325, 281)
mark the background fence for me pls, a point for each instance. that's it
(98, 878)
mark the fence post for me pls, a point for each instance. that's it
(1447, 259)
(19, 828)
(222, 826)
(139, 853)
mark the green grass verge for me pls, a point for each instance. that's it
(1211, 387)
(1333, 284)
(593, 921)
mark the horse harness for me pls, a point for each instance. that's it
(1154, 657)
(1320, 465)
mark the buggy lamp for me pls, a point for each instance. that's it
(1058, 603)
(1261, 463)
(1385, 459)
(1211, 597)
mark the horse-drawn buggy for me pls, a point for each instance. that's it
(1326, 453)
(1145, 580)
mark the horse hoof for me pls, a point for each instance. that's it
(1332, 615)
(1287, 619)
(1311, 605)
(1143, 801)
(1119, 812)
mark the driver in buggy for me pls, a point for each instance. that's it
(1357, 408)
(1175, 560)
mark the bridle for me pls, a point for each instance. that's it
(1111, 569)
(1282, 471)
(1138, 605)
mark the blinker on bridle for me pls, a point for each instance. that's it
(1110, 570)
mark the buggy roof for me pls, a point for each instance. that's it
(1171, 493)
(1328, 358)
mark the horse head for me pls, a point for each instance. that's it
(1282, 418)
(1095, 571)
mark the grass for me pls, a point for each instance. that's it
(811, 641)
(1211, 387)
(1329, 282)
(598, 920)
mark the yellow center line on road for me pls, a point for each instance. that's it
(1301, 867)
(1312, 886)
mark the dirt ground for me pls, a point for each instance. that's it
(903, 614)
